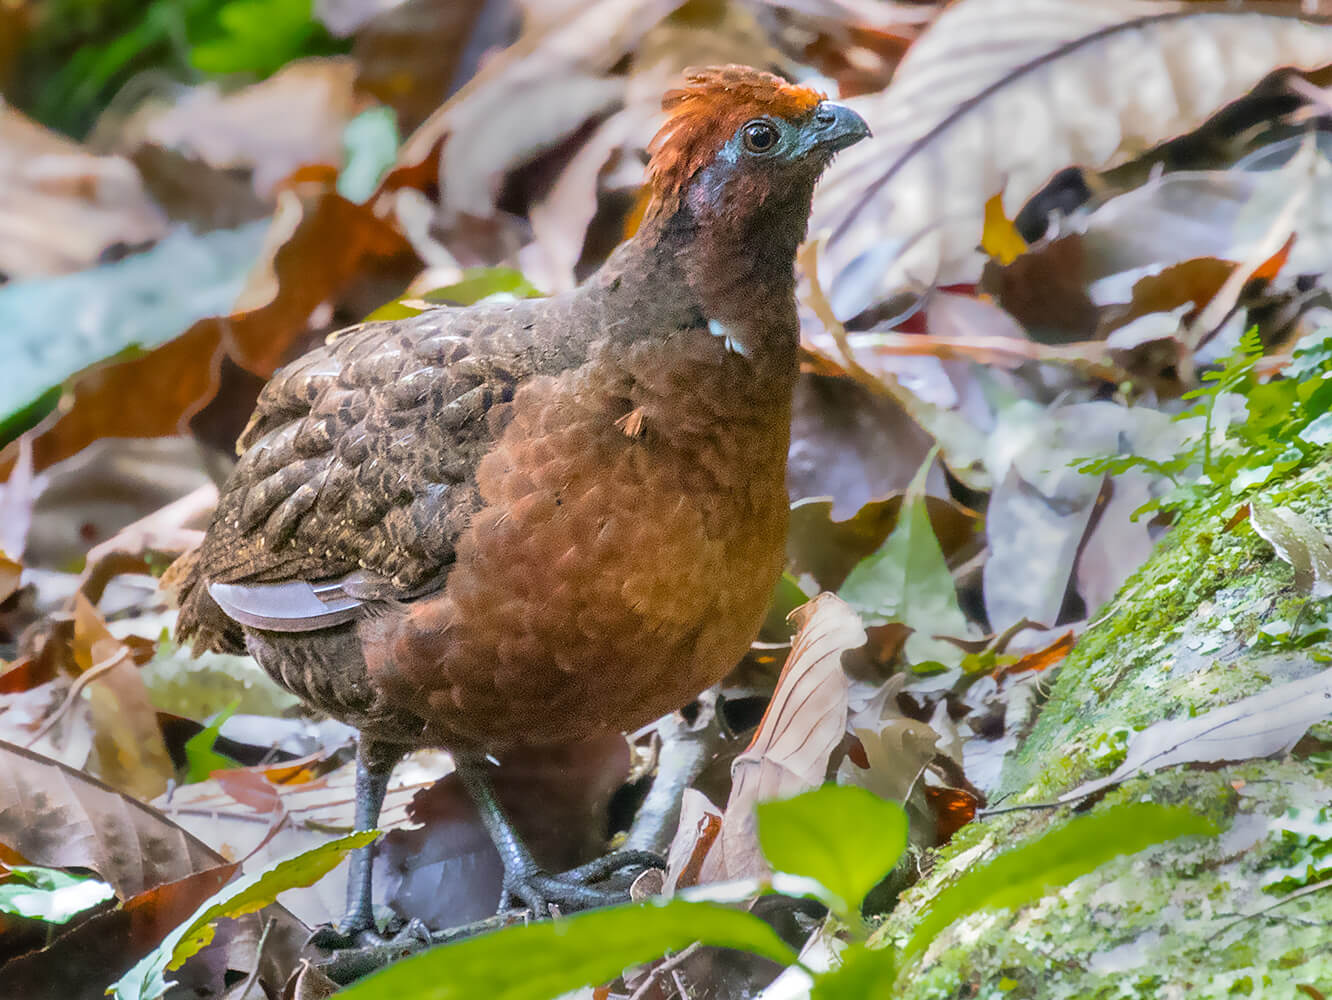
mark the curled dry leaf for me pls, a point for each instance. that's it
(61, 207)
(129, 749)
(58, 817)
(803, 725)
(998, 95)
(1300, 543)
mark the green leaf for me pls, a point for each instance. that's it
(786, 597)
(1053, 860)
(907, 580)
(147, 979)
(844, 837)
(49, 894)
(477, 283)
(260, 36)
(370, 146)
(553, 957)
(201, 759)
(863, 974)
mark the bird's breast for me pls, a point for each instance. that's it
(621, 563)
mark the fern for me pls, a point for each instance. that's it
(1225, 462)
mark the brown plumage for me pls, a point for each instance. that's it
(546, 519)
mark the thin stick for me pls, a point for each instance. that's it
(667, 965)
(81, 682)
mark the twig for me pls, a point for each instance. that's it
(82, 681)
(657, 971)
(258, 959)
(349, 964)
(1306, 891)
(685, 751)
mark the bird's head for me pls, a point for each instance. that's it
(741, 143)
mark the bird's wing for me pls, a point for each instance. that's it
(358, 473)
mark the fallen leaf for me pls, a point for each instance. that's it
(56, 816)
(850, 444)
(953, 809)
(700, 823)
(827, 550)
(1300, 543)
(907, 580)
(907, 207)
(1040, 659)
(131, 305)
(999, 237)
(330, 245)
(529, 96)
(61, 206)
(293, 118)
(129, 752)
(803, 725)
(78, 965)
(1260, 725)
(1045, 289)
(894, 756)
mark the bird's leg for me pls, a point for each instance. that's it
(524, 880)
(374, 765)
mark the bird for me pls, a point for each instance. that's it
(527, 524)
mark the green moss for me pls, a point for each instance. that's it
(1197, 918)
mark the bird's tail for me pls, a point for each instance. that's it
(202, 623)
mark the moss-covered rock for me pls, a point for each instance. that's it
(1206, 622)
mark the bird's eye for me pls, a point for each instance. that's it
(760, 136)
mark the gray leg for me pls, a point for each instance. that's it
(524, 880)
(374, 766)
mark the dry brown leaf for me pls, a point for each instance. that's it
(61, 207)
(415, 54)
(803, 725)
(530, 96)
(1045, 289)
(998, 95)
(129, 752)
(161, 536)
(850, 444)
(293, 118)
(79, 964)
(333, 244)
(56, 816)
(953, 809)
(700, 823)
(894, 757)
(1039, 659)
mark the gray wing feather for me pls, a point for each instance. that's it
(291, 606)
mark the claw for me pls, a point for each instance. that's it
(572, 890)
(330, 937)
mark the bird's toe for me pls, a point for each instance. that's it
(602, 882)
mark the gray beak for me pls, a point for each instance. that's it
(835, 126)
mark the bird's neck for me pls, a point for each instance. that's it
(738, 269)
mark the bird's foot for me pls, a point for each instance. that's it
(598, 883)
(358, 930)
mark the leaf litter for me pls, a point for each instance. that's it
(973, 575)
